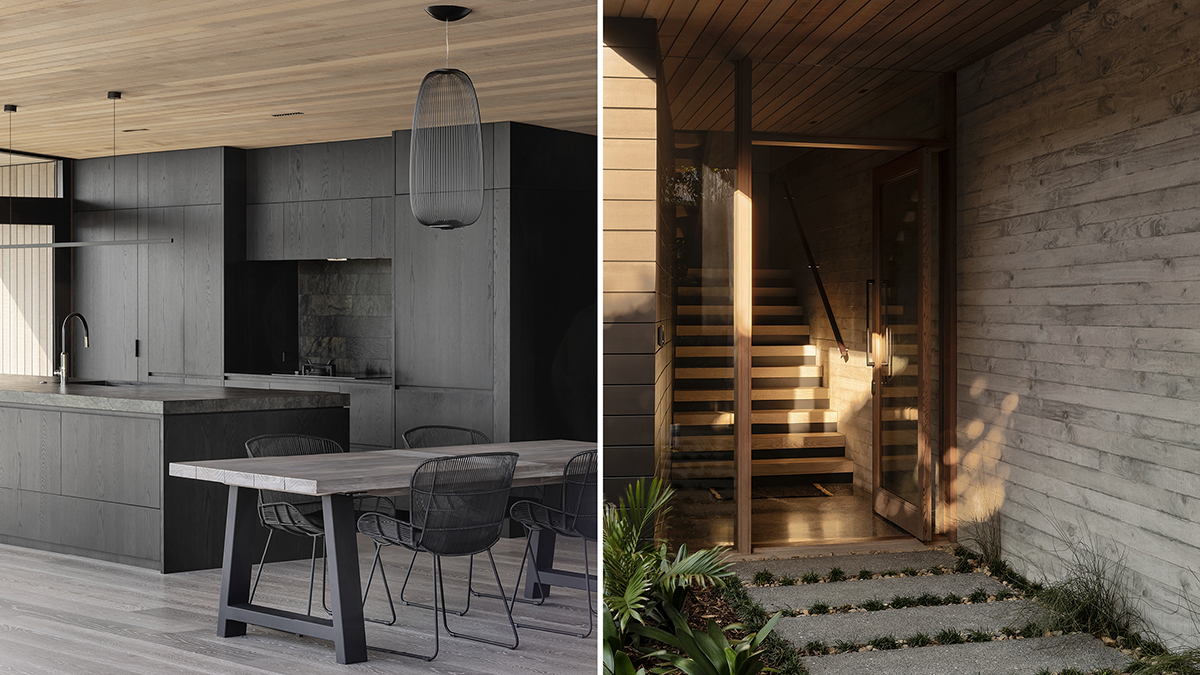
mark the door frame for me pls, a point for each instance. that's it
(917, 520)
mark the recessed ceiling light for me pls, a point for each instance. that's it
(287, 114)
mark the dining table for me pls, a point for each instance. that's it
(337, 478)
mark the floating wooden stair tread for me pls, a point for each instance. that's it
(795, 441)
(717, 417)
(899, 392)
(756, 371)
(762, 291)
(689, 331)
(726, 351)
(898, 414)
(777, 394)
(713, 273)
(763, 467)
(899, 437)
(727, 310)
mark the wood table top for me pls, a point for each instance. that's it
(376, 471)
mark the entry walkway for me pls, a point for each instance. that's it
(933, 622)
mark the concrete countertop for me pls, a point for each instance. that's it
(160, 399)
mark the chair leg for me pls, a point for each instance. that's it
(436, 645)
(517, 584)
(260, 565)
(503, 598)
(312, 577)
(461, 612)
(391, 605)
(538, 579)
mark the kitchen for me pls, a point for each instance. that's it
(286, 286)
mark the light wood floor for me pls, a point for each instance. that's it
(63, 614)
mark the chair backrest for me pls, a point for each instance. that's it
(579, 493)
(434, 436)
(286, 445)
(459, 502)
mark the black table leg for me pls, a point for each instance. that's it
(238, 558)
(350, 639)
(542, 544)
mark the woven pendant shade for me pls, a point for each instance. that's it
(445, 163)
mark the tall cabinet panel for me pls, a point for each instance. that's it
(155, 311)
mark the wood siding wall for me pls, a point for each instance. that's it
(27, 302)
(1079, 345)
(638, 231)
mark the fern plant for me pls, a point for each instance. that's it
(708, 652)
(641, 576)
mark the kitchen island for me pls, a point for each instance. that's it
(83, 468)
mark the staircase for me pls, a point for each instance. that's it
(794, 431)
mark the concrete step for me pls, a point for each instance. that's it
(1004, 657)
(855, 592)
(862, 627)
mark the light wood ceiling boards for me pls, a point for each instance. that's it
(198, 73)
(822, 66)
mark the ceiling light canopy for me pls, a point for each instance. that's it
(445, 176)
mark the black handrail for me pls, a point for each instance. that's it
(812, 265)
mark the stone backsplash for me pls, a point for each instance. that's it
(345, 314)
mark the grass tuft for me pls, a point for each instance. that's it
(963, 566)
(884, 643)
(810, 578)
(845, 646)
(865, 574)
(909, 571)
(919, 640)
(948, 636)
(819, 608)
(1004, 594)
(889, 573)
(929, 600)
(979, 636)
(937, 570)
(764, 578)
(777, 652)
(952, 599)
(815, 648)
(873, 605)
(836, 574)
(978, 596)
(785, 580)
(902, 601)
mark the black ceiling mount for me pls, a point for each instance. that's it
(8, 107)
(114, 94)
(447, 12)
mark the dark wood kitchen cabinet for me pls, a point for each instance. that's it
(156, 312)
(322, 200)
(370, 403)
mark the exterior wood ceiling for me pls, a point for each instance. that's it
(197, 73)
(822, 66)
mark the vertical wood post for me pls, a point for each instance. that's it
(948, 265)
(742, 272)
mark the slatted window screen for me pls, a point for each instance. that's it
(26, 301)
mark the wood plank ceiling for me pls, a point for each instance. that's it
(822, 66)
(198, 73)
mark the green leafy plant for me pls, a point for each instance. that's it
(978, 595)
(952, 599)
(903, 601)
(937, 570)
(707, 652)
(616, 661)
(764, 578)
(909, 571)
(865, 574)
(948, 636)
(819, 608)
(889, 573)
(1004, 594)
(641, 578)
(836, 574)
(873, 605)
(810, 578)
(785, 580)
(963, 566)
(845, 646)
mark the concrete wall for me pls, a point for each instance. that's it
(638, 235)
(1079, 345)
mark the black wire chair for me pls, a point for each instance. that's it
(302, 515)
(577, 519)
(457, 510)
(433, 436)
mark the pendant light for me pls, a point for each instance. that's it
(445, 163)
(114, 96)
(10, 109)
